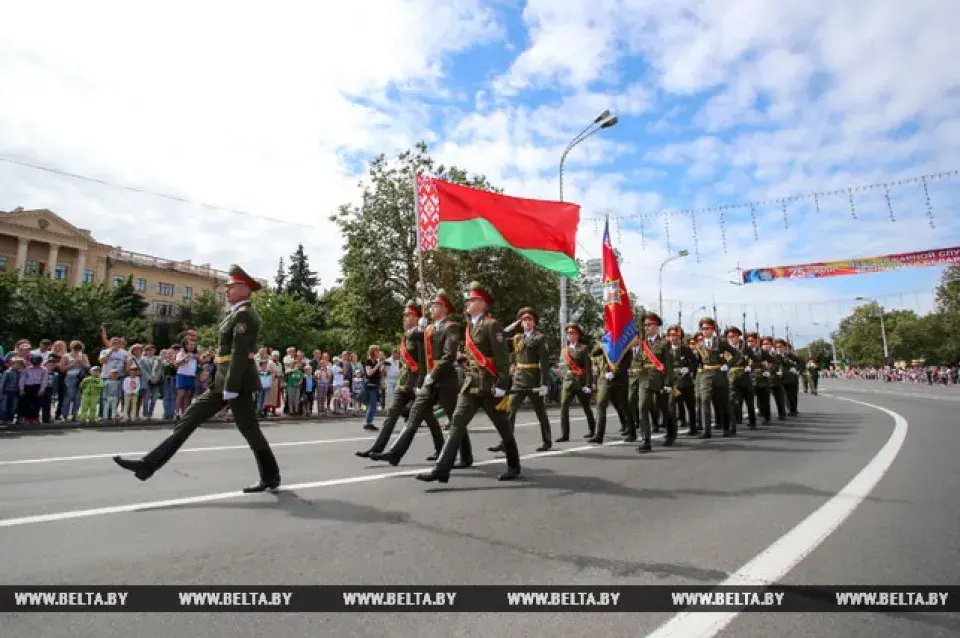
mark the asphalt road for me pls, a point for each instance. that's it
(694, 514)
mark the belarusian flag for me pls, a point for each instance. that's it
(462, 218)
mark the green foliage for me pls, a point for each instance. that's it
(287, 320)
(819, 351)
(203, 310)
(380, 265)
(281, 277)
(302, 281)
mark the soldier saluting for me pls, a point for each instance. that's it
(235, 383)
(532, 375)
(576, 381)
(485, 384)
(413, 353)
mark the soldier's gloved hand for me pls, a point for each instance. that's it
(587, 391)
(793, 370)
(227, 395)
(544, 391)
(428, 380)
(684, 371)
(499, 393)
(724, 368)
(422, 323)
(667, 389)
(779, 373)
(748, 369)
(766, 373)
(609, 376)
(512, 327)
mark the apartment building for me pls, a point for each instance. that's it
(40, 243)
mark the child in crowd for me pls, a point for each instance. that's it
(50, 395)
(323, 388)
(336, 373)
(10, 391)
(266, 382)
(112, 396)
(306, 403)
(131, 391)
(357, 388)
(33, 382)
(90, 389)
(294, 384)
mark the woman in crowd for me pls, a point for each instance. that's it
(75, 366)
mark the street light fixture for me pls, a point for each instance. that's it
(833, 344)
(603, 121)
(883, 329)
(679, 255)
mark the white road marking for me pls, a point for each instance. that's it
(775, 562)
(208, 498)
(223, 448)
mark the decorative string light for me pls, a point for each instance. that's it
(926, 194)
(853, 210)
(696, 240)
(753, 220)
(666, 225)
(886, 195)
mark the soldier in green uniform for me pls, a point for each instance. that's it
(532, 373)
(697, 425)
(235, 383)
(791, 376)
(413, 371)
(754, 366)
(577, 381)
(813, 371)
(655, 379)
(485, 385)
(804, 376)
(613, 387)
(716, 357)
(741, 383)
(763, 369)
(774, 365)
(441, 341)
(685, 362)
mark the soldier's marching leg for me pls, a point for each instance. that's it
(646, 407)
(566, 398)
(510, 449)
(750, 396)
(603, 400)
(688, 399)
(635, 403)
(779, 400)
(467, 406)
(663, 401)
(448, 402)
(422, 405)
(793, 392)
(735, 404)
(656, 418)
(245, 414)
(539, 409)
(205, 407)
(620, 397)
(704, 403)
(516, 400)
(806, 383)
(584, 400)
(721, 405)
(763, 403)
(400, 401)
(815, 384)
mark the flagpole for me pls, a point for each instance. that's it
(416, 217)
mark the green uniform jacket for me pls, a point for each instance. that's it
(791, 361)
(722, 353)
(530, 351)
(580, 355)
(683, 357)
(445, 343)
(754, 359)
(642, 365)
(621, 374)
(773, 364)
(813, 370)
(738, 373)
(239, 332)
(487, 335)
(409, 380)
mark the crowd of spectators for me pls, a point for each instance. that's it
(929, 375)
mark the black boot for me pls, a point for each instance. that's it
(433, 475)
(139, 468)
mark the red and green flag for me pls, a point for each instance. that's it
(463, 218)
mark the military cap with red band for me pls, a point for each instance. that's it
(707, 322)
(575, 326)
(443, 299)
(476, 291)
(752, 336)
(781, 342)
(674, 331)
(652, 318)
(766, 340)
(238, 276)
(526, 312)
(733, 330)
(413, 308)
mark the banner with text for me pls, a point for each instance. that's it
(479, 599)
(922, 259)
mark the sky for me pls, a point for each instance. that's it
(274, 113)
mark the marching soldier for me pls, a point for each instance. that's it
(485, 385)
(741, 385)
(441, 342)
(576, 382)
(682, 398)
(697, 425)
(613, 386)
(235, 383)
(655, 380)
(774, 361)
(532, 376)
(716, 357)
(791, 376)
(411, 377)
(805, 376)
(754, 360)
(813, 371)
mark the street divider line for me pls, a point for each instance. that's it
(775, 562)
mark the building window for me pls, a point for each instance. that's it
(60, 272)
(88, 275)
(3, 262)
(33, 269)
(118, 281)
(141, 285)
(165, 289)
(187, 292)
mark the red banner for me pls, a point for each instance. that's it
(921, 259)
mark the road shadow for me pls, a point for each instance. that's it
(298, 506)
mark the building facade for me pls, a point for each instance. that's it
(40, 243)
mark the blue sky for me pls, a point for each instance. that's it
(720, 102)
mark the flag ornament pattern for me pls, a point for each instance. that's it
(463, 218)
(620, 329)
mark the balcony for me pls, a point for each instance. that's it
(149, 261)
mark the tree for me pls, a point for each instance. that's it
(281, 277)
(948, 292)
(203, 310)
(286, 320)
(819, 351)
(127, 301)
(302, 282)
(380, 265)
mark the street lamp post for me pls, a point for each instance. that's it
(679, 255)
(603, 121)
(833, 344)
(883, 329)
